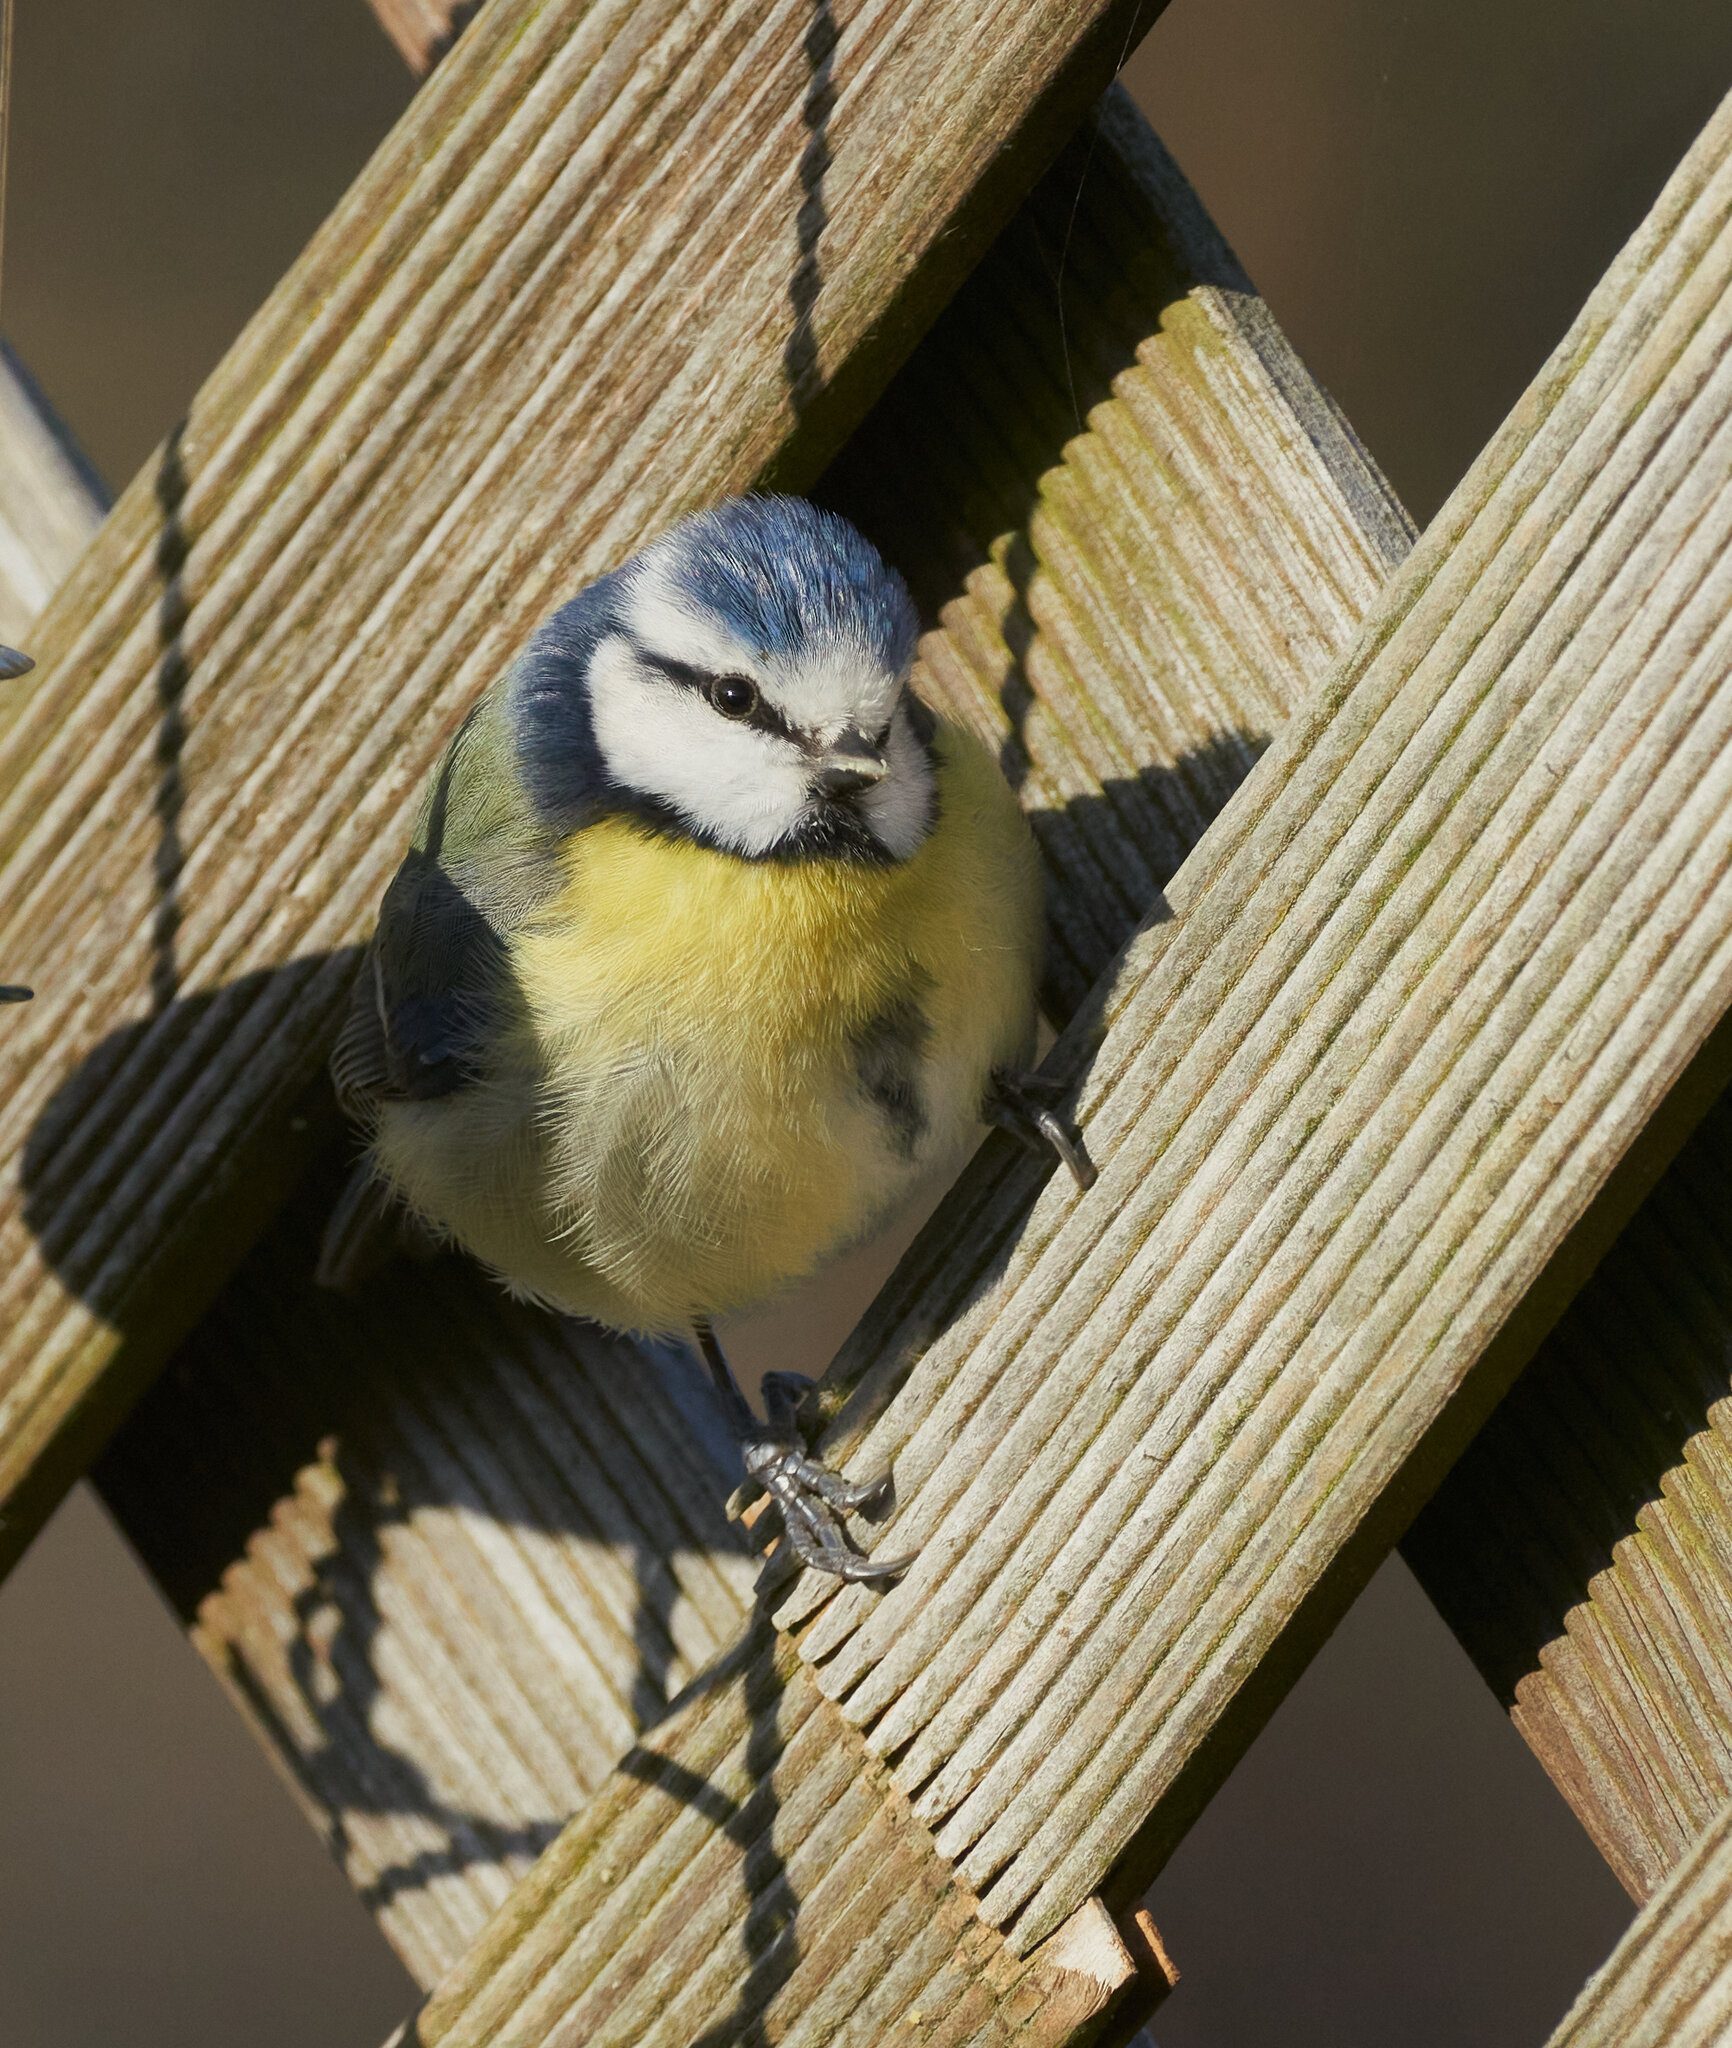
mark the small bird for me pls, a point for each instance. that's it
(711, 942)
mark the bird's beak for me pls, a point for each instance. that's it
(854, 763)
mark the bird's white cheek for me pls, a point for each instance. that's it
(743, 787)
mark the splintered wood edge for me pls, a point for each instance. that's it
(423, 30)
(1087, 1964)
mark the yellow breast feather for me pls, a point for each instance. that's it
(706, 1088)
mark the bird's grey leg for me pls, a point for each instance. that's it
(783, 1393)
(808, 1495)
(1025, 1105)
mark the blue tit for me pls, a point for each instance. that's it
(711, 942)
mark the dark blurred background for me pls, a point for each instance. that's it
(1424, 190)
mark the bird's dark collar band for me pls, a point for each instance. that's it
(833, 830)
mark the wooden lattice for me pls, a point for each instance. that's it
(1392, 946)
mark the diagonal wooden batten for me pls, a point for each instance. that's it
(1613, 1703)
(589, 281)
(1582, 1547)
(1127, 612)
(1596, 1751)
(447, 1554)
(1629, 1716)
(1668, 1983)
(1441, 960)
(749, 1853)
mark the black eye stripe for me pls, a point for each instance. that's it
(677, 671)
(766, 718)
(763, 717)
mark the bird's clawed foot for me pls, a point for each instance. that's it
(807, 1495)
(810, 1498)
(1026, 1106)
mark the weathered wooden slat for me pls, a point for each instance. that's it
(1668, 1983)
(416, 1534)
(1503, 832)
(1582, 1547)
(1462, 931)
(1580, 1550)
(750, 1854)
(615, 259)
(447, 1555)
(1128, 612)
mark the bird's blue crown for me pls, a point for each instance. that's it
(781, 575)
(784, 574)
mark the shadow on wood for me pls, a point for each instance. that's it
(401, 1532)
(327, 1460)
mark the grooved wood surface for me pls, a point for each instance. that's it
(1582, 1547)
(615, 259)
(1129, 612)
(748, 1855)
(1448, 950)
(448, 1555)
(1668, 1983)
(1576, 1549)
(378, 1511)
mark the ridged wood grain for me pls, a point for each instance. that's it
(1442, 958)
(1127, 612)
(447, 1555)
(750, 1858)
(616, 259)
(1578, 1549)
(1668, 1983)
(1582, 1547)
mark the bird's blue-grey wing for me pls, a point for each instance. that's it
(437, 973)
(436, 978)
(434, 975)
(415, 1032)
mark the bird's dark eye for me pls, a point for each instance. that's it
(734, 696)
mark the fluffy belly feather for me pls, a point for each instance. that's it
(718, 1072)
